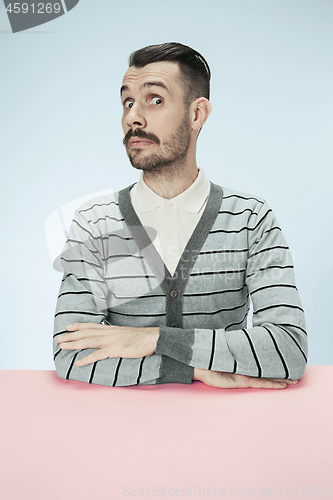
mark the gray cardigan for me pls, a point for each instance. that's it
(114, 275)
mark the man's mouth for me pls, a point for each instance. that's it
(137, 142)
(139, 138)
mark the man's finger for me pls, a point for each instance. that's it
(93, 342)
(283, 380)
(75, 335)
(94, 356)
(260, 383)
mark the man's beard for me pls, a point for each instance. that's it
(172, 152)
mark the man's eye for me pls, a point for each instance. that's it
(128, 104)
(156, 100)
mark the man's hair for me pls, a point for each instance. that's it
(194, 69)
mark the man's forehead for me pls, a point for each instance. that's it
(165, 72)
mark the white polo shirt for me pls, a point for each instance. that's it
(174, 219)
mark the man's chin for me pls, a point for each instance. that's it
(139, 162)
(136, 162)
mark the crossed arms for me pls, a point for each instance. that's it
(128, 342)
(275, 348)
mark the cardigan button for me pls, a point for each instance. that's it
(174, 325)
(173, 293)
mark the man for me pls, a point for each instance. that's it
(158, 277)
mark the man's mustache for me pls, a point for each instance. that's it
(138, 132)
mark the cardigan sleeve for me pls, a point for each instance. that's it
(83, 299)
(276, 345)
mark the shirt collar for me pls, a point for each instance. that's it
(191, 200)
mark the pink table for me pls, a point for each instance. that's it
(64, 440)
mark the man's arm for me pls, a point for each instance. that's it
(276, 345)
(83, 299)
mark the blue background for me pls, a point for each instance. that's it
(270, 134)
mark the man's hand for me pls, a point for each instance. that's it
(226, 380)
(112, 341)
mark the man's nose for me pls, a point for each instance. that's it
(135, 117)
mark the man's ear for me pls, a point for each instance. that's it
(200, 110)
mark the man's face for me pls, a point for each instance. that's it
(154, 121)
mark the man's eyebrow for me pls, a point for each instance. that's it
(155, 84)
(123, 88)
(146, 84)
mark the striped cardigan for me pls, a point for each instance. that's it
(113, 274)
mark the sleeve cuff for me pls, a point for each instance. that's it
(176, 343)
(174, 372)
